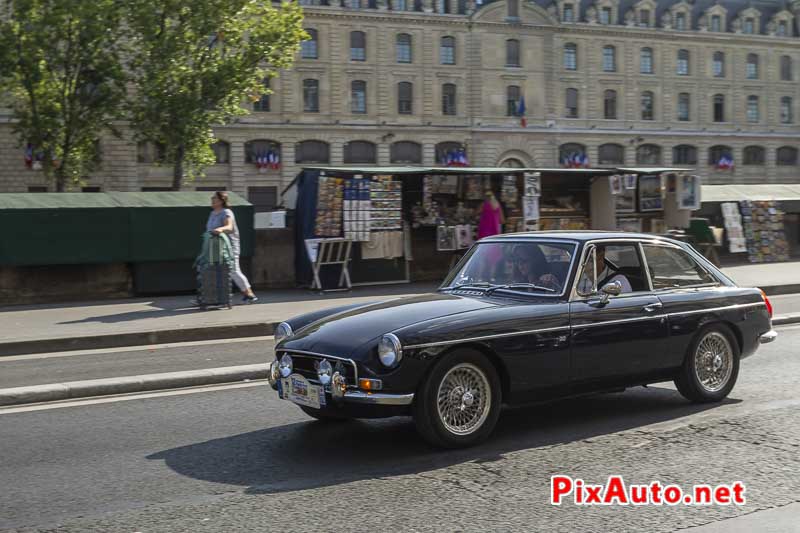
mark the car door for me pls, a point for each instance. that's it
(614, 339)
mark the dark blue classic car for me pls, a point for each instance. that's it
(525, 318)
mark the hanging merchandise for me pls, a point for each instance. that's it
(650, 197)
(445, 238)
(530, 208)
(464, 236)
(733, 226)
(357, 209)
(386, 204)
(533, 184)
(509, 193)
(474, 187)
(764, 231)
(329, 207)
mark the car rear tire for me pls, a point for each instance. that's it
(458, 403)
(322, 416)
(711, 365)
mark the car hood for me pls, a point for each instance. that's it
(342, 333)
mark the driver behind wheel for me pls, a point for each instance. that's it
(530, 266)
(604, 274)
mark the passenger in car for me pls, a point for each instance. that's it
(604, 274)
(530, 266)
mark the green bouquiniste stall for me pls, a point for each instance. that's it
(156, 233)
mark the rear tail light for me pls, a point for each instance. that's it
(768, 304)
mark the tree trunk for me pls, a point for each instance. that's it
(177, 169)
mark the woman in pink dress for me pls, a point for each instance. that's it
(491, 223)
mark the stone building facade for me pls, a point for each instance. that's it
(621, 82)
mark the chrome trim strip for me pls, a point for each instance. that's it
(768, 337)
(378, 398)
(620, 321)
(483, 337)
(715, 309)
(303, 353)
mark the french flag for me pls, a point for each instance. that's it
(725, 163)
(521, 112)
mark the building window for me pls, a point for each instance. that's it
(605, 15)
(783, 29)
(571, 103)
(749, 26)
(308, 48)
(647, 106)
(716, 153)
(449, 153)
(754, 155)
(609, 59)
(262, 104)
(611, 154)
(716, 23)
(752, 67)
(570, 154)
(311, 96)
(719, 108)
(447, 51)
(360, 153)
(512, 53)
(684, 154)
(569, 13)
(648, 154)
(786, 68)
(358, 46)
(448, 99)
(512, 7)
(610, 104)
(222, 152)
(406, 152)
(43, 188)
(260, 150)
(405, 98)
(680, 21)
(404, 52)
(644, 18)
(718, 65)
(358, 97)
(786, 155)
(684, 103)
(513, 96)
(682, 68)
(571, 56)
(312, 152)
(752, 109)
(646, 61)
(787, 114)
(150, 152)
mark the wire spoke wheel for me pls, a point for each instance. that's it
(464, 399)
(713, 361)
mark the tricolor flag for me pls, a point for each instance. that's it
(521, 112)
(725, 163)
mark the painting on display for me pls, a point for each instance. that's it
(650, 198)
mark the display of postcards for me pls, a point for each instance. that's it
(509, 192)
(445, 238)
(443, 184)
(474, 187)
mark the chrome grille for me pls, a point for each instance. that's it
(305, 364)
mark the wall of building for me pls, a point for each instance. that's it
(481, 76)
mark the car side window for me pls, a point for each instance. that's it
(674, 268)
(612, 262)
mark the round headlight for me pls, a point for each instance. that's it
(285, 365)
(324, 372)
(389, 350)
(283, 331)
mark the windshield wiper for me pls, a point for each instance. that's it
(478, 285)
(512, 286)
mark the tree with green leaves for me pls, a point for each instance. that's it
(60, 66)
(195, 63)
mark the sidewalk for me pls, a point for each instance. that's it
(143, 321)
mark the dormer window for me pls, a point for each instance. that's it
(716, 23)
(749, 26)
(783, 29)
(569, 13)
(605, 15)
(680, 21)
(644, 18)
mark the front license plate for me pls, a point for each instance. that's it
(297, 389)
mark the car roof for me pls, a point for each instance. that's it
(582, 236)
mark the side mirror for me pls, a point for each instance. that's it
(610, 289)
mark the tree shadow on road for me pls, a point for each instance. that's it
(315, 454)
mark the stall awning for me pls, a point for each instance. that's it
(761, 191)
(652, 170)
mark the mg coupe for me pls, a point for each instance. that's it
(525, 318)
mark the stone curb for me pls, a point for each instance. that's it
(129, 384)
(144, 338)
(782, 320)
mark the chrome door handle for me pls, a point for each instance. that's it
(652, 307)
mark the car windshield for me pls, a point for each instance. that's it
(529, 266)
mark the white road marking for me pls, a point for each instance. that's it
(128, 397)
(140, 348)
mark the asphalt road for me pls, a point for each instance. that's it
(238, 459)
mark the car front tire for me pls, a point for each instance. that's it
(458, 403)
(711, 366)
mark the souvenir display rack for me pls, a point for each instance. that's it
(764, 231)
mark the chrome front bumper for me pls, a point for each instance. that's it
(768, 337)
(377, 398)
